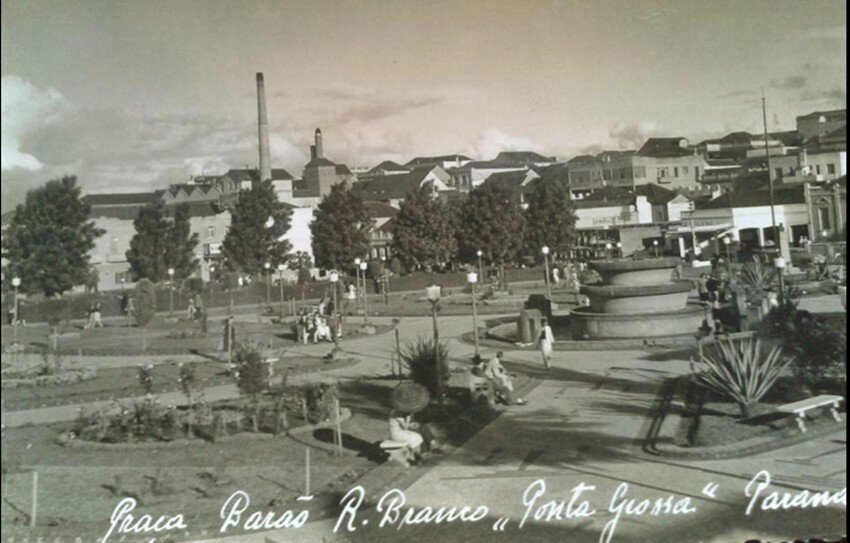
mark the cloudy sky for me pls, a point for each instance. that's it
(134, 95)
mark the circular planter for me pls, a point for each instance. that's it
(619, 300)
(653, 271)
(589, 324)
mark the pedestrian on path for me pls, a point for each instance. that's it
(546, 341)
(190, 311)
(502, 383)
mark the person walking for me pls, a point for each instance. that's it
(556, 276)
(502, 383)
(546, 341)
(190, 311)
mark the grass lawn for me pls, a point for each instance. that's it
(78, 488)
(123, 382)
(161, 336)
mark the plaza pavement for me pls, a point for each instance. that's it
(583, 423)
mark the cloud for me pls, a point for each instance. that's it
(634, 135)
(25, 109)
(491, 142)
(836, 95)
(789, 83)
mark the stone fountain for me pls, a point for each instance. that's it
(636, 299)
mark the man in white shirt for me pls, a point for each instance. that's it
(501, 380)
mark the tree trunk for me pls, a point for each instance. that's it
(144, 338)
(746, 409)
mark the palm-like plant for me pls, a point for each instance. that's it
(758, 276)
(738, 371)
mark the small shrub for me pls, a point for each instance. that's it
(736, 369)
(145, 376)
(421, 359)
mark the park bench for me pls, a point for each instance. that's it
(396, 451)
(803, 406)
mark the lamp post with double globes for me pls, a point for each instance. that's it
(363, 267)
(433, 295)
(545, 251)
(472, 277)
(170, 292)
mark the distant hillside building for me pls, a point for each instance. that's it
(821, 123)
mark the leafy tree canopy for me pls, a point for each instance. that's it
(161, 243)
(491, 220)
(550, 218)
(258, 225)
(424, 232)
(341, 229)
(48, 240)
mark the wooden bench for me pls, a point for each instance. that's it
(803, 406)
(396, 450)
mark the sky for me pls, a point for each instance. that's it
(130, 96)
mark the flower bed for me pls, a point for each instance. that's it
(12, 379)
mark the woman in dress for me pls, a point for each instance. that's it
(546, 341)
(402, 430)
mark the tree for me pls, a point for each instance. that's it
(492, 221)
(147, 252)
(424, 235)
(144, 306)
(257, 226)
(180, 249)
(48, 240)
(551, 217)
(340, 229)
(161, 243)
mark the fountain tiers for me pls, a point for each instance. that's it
(638, 299)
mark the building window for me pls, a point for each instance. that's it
(676, 171)
(824, 218)
(830, 168)
(122, 277)
(640, 171)
(685, 170)
(778, 172)
(817, 169)
(790, 171)
(210, 231)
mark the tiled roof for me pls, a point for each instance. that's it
(665, 148)
(829, 113)
(608, 156)
(523, 156)
(756, 198)
(387, 187)
(583, 160)
(378, 210)
(495, 164)
(656, 194)
(278, 174)
(319, 161)
(130, 212)
(437, 160)
(389, 166)
(118, 199)
(512, 180)
(342, 169)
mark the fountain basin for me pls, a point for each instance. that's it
(652, 271)
(585, 323)
(619, 300)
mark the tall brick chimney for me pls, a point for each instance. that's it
(320, 151)
(263, 128)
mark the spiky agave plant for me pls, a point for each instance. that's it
(757, 275)
(738, 370)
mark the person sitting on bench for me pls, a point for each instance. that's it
(403, 430)
(502, 383)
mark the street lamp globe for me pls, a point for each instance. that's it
(479, 252)
(780, 262)
(433, 293)
(16, 282)
(281, 267)
(267, 265)
(655, 243)
(608, 246)
(544, 250)
(334, 277)
(363, 266)
(727, 241)
(824, 234)
(472, 277)
(619, 245)
(171, 272)
(357, 262)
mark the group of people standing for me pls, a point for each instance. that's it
(316, 325)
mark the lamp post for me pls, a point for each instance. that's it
(692, 207)
(357, 278)
(780, 268)
(620, 249)
(480, 253)
(472, 277)
(727, 241)
(608, 248)
(545, 251)
(212, 284)
(433, 294)
(16, 282)
(655, 247)
(334, 277)
(267, 267)
(170, 292)
(363, 267)
(386, 279)
(280, 268)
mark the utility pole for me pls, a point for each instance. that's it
(775, 231)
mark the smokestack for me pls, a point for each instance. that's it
(263, 128)
(320, 152)
(312, 152)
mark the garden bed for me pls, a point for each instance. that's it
(36, 377)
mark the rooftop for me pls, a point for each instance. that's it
(665, 148)
(793, 194)
(437, 160)
(120, 198)
(524, 156)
